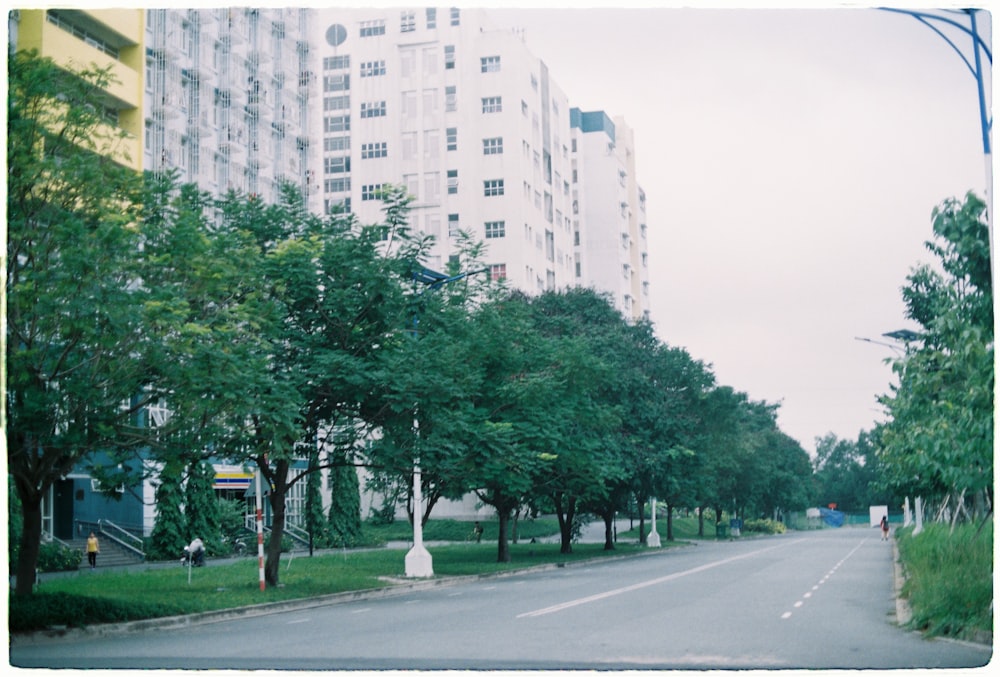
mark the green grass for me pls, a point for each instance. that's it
(949, 579)
(165, 591)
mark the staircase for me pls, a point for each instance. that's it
(111, 554)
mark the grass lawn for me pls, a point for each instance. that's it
(143, 593)
(949, 579)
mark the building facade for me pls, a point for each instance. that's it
(77, 39)
(226, 94)
(464, 117)
(609, 213)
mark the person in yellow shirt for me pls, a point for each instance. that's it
(92, 549)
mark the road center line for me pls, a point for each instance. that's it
(644, 584)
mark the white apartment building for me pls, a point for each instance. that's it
(609, 212)
(226, 98)
(463, 116)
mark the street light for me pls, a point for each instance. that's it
(419, 563)
(980, 49)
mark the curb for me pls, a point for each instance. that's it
(903, 611)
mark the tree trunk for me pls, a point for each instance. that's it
(565, 516)
(272, 566)
(609, 535)
(503, 548)
(701, 521)
(670, 522)
(642, 520)
(31, 538)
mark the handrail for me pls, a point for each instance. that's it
(117, 533)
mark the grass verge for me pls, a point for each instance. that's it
(949, 579)
(105, 597)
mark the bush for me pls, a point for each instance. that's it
(764, 526)
(58, 557)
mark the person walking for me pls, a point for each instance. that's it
(885, 527)
(478, 531)
(93, 547)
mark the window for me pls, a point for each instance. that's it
(450, 99)
(337, 185)
(374, 109)
(335, 143)
(452, 182)
(340, 123)
(493, 146)
(452, 136)
(432, 17)
(370, 69)
(372, 28)
(449, 57)
(336, 102)
(336, 83)
(492, 104)
(371, 191)
(490, 64)
(456, 15)
(493, 187)
(495, 229)
(332, 63)
(453, 225)
(374, 150)
(407, 21)
(498, 271)
(336, 165)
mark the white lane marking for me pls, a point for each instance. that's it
(798, 604)
(644, 584)
(301, 620)
(361, 611)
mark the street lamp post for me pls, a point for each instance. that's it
(419, 563)
(944, 20)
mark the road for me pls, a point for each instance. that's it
(808, 600)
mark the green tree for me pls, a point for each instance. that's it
(201, 507)
(344, 520)
(169, 534)
(939, 439)
(75, 338)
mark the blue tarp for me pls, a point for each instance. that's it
(834, 518)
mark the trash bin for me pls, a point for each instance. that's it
(735, 525)
(720, 530)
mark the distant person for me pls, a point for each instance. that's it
(195, 552)
(478, 531)
(93, 547)
(885, 527)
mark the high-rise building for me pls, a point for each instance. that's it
(609, 210)
(464, 117)
(476, 128)
(226, 92)
(77, 39)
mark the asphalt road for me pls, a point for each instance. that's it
(812, 600)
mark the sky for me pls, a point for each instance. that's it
(791, 160)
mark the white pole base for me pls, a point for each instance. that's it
(419, 563)
(653, 540)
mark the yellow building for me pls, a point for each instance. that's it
(78, 39)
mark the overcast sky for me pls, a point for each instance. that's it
(791, 160)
